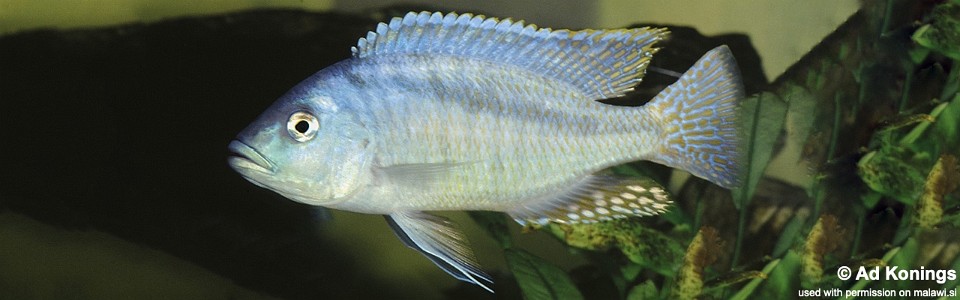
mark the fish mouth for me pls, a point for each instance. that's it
(245, 158)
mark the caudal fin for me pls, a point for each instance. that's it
(699, 116)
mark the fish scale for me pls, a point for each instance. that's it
(549, 134)
(463, 112)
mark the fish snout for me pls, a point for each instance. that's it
(245, 159)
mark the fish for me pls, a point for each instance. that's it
(461, 112)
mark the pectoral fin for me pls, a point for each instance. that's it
(436, 238)
(422, 175)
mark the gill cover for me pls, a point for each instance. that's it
(318, 151)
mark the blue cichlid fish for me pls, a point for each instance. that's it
(460, 112)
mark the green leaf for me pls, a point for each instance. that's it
(788, 236)
(906, 228)
(748, 289)
(952, 220)
(539, 279)
(630, 271)
(893, 171)
(644, 246)
(955, 266)
(763, 117)
(676, 216)
(904, 259)
(953, 84)
(733, 279)
(946, 128)
(862, 283)
(782, 281)
(870, 199)
(496, 224)
(801, 119)
(802, 111)
(918, 130)
(645, 290)
(943, 33)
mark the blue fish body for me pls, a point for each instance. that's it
(461, 112)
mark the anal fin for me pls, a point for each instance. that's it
(437, 239)
(597, 198)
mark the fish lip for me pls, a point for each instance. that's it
(244, 157)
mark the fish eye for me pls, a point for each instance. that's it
(302, 126)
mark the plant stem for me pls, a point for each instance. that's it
(741, 223)
(744, 197)
(861, 218)
(835, 133)
(698, 213)
(905, 95)
(887, 14)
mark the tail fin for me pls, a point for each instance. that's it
(699, 117)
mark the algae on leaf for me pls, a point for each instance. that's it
(869, 109)
(823, 239)
(703, 251)
(942, 180)
(943, 33)
(894, 172)
(646, 247)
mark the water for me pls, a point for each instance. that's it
(115, 183)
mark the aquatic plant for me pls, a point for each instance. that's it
(875, 110)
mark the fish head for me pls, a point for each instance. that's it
(306, 147)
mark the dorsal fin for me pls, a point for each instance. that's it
(602, 63)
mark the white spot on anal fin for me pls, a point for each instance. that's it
(660, 206)
(644, 201)
(620, 209)
(600, 198)
(661, 197)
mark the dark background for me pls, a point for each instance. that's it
(124, 130)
